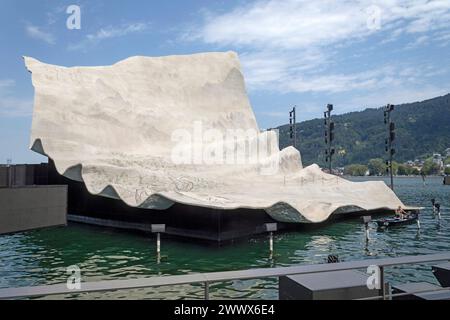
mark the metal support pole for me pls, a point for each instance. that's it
(383, 287)
(389, 150)
(271, 243)
(158, 229)
(367, 232)
(9, 176)
(329, 127)
(392, 174)
(206, 290)
(293, 127)
(389, 291)
(158, 243)
(270, 227)
(295, 130)
(158, 247)
(329, 143)
(390, 139)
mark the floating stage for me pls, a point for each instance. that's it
(217, 225)
(174, 140)
(206, 224)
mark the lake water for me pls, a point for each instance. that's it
(41, 257)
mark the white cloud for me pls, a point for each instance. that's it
(265, 68)
(6, 83)
(382, 77)
(38, 34)
(15, 107)
(308, 76)
(443, 38)
(112, 32)
(109, 33)
(11, 106)
(291, 46)
(287, 24)
(420, 41)
(304, 23)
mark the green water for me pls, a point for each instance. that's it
(41, 257)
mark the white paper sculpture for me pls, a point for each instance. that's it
(155, 131)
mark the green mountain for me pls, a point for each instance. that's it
(421, 129)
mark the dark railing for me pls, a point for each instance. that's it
(214, 277)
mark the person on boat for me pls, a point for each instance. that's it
(400, 212)
(438, 208)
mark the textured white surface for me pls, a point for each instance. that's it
(112, 127)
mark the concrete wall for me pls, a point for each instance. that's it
(20, 175)
(4, 176)
(25, 208)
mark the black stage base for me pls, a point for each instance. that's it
(217, 225)
(181, 220)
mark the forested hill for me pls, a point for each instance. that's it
(421, 129)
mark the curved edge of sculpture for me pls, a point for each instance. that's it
(75, 172)
(304, 203)
(280, 211)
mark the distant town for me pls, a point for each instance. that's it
(436, 164)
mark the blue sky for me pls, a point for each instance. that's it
(352, 53)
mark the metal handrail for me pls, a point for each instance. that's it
(402, 294)
(213, 277)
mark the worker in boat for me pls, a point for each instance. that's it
(400, 213)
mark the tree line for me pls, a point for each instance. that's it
(377, 167)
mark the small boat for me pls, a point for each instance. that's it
(392, 222)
